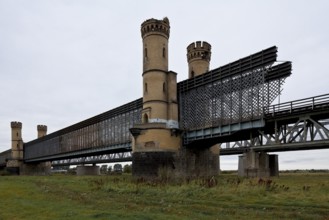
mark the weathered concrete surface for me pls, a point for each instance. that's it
(258, 164)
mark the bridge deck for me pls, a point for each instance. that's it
(226, 104)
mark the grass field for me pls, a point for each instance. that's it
(290, 196)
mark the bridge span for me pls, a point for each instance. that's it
(290, 126)
(216, 104)
(179, 124)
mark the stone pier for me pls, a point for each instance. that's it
(258, 164)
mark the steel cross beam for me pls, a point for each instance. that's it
(106, 158)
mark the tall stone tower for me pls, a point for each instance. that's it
(16, 140)
(198, 58)
(42, 130)
(14, 163)
(157, 139)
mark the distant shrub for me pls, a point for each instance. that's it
(4, 173)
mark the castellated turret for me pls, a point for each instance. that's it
(156, 140)
(159, 84)
(155, 35)
(16, 140)
(42, 130)
(16, 124)
(198, 58)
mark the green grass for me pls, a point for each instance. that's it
(291, 196)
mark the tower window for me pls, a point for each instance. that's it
(192, 74)
(145, 52)
(164, 87)
(17, 134)
(145, 118)
(145, 87)
(164, 52)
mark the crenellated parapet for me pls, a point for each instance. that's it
(16, 124)
(200, 50)
(154, 26)
(42, 128)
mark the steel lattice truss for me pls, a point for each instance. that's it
(106, 158)
(298, 125)
(103, 133)
(235, 93)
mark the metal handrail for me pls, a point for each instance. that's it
(289, 107)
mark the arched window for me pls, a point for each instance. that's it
(164, 52)
(17, 134)
(145, 52)
(145, 118)
(192, 74)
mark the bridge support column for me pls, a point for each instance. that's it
(43, 168)
(200, 162)
(255, 164)
(88, 170)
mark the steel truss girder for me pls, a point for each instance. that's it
(305, 134)
(236, 99)
(100, 134)
(297, 125)
(105, 158)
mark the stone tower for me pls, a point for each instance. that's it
(14, 163)
(42, 130)
(157, 139)
(16, 140)
(198, 58)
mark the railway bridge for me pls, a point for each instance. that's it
(184, 127)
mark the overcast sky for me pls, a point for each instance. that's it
(65, 61)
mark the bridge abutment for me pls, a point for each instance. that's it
(258, 164)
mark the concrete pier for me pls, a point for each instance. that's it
(258, 164)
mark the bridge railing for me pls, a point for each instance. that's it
(297, 106)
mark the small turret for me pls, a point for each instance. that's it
(42, 130)
(198, 58)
